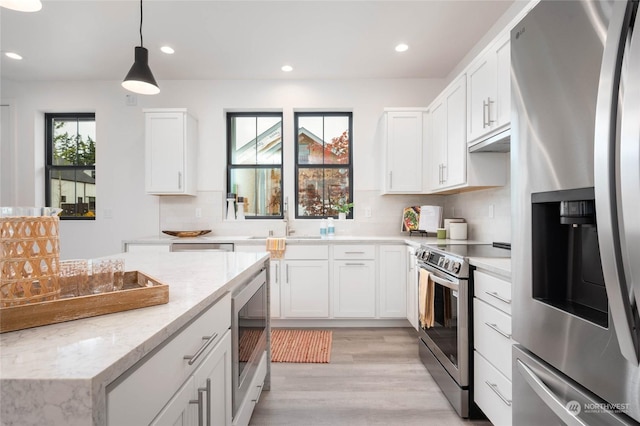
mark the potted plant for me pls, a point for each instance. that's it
(343, 209)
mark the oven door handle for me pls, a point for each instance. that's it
(442, 281)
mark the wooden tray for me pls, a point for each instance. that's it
(139, 291)
(187, 234)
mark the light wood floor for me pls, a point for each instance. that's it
(375, 378)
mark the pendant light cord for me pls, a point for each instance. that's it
(141, 45)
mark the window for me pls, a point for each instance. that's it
(324, 167)
(254, 164)
(70, 171)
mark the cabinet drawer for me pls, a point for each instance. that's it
(492, 335)
(493, 290)
(297, 252)
(253, 396)
(492, 391)
(354, 252)
(131, 399)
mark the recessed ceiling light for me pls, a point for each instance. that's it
(287, 68)
(402, 47)
(13, 55)
(168, 50)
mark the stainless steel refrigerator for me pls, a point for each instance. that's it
(575, 147)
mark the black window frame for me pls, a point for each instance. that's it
(50, 167)
(231, 166)
(349, 166)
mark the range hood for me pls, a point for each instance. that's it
(500, 142)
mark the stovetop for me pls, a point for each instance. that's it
(453, 259)
(472, 250)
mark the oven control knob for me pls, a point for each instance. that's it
(445, 264)
(455, 267)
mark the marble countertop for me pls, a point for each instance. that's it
(77, 359)
(499, 266)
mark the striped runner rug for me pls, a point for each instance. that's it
(289, 345)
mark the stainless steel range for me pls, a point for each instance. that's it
(446, 318)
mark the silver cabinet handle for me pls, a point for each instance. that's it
(354, 252)
(179, 180)
(497, 296)
(208, 390)
(205, 345)
(277, 273)
(354, 264)
(444, 173)
(287, 273)
(255, 401)
(199, 402)
(484, 114)
(494, 387)
(390, 180)
(495, 328)
(489, 120)
(547, 396)
(440, 174)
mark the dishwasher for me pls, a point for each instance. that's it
(201, 247)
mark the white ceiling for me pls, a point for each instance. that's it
(214, 39)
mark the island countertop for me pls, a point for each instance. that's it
(57, 374)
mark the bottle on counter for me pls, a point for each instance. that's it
(240, 212)
(331, 230)
(323, 228)
(231, 208)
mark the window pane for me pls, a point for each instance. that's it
(336, 139)
(320, 191)
(74, 191)
(243, 140)
(310, 143)
(260, 189)
(74, 142)
(256, 140)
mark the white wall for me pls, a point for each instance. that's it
(120, 151)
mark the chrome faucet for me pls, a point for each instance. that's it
(285, 218)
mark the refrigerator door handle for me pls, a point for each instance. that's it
(606, 184)
(550, 399)
(629, 167)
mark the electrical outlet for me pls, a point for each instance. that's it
(131, 100)
(198, 212)
(491, 211)
(367, 212)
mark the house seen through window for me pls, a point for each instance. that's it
(70, 178)
(254, 164)
(324, 165)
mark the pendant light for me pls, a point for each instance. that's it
(139, 79)
(22, 5)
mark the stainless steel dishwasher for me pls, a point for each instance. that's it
(201, 247)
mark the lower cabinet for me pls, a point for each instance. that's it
(354, 289)
(205, 398)
(412, 288)
(392, 281)
(305, 288)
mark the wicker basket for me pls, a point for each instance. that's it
(30, 250)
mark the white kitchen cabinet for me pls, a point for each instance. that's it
(354, 289)
(447, 144)
(489, 99)
(170, 152)
(305, 288)
(206, 392)
(412, 287)
(392, 281)
(402, 136)
(492, 346)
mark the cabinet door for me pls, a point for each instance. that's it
(392, 282)
(165, 152)
(181, 410)
(455, 168)
(481, 84)
(503, 83)
(404, 152)
(436, 144)
(305, 289)
(354, 289)
(412, 288)
(274, 283)
(213, 380)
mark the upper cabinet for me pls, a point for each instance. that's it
(489, 93)
(446, 141)
(171, 145)
(402, 150)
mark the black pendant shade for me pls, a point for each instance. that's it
(140, 79)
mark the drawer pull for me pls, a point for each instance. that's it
(255, 401)
(200, 403)
(495, 328)
(353, 252)
(497, 296)
(494, 388)
(205, 345)
(354, 264)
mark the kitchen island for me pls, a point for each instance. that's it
(59, 374)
